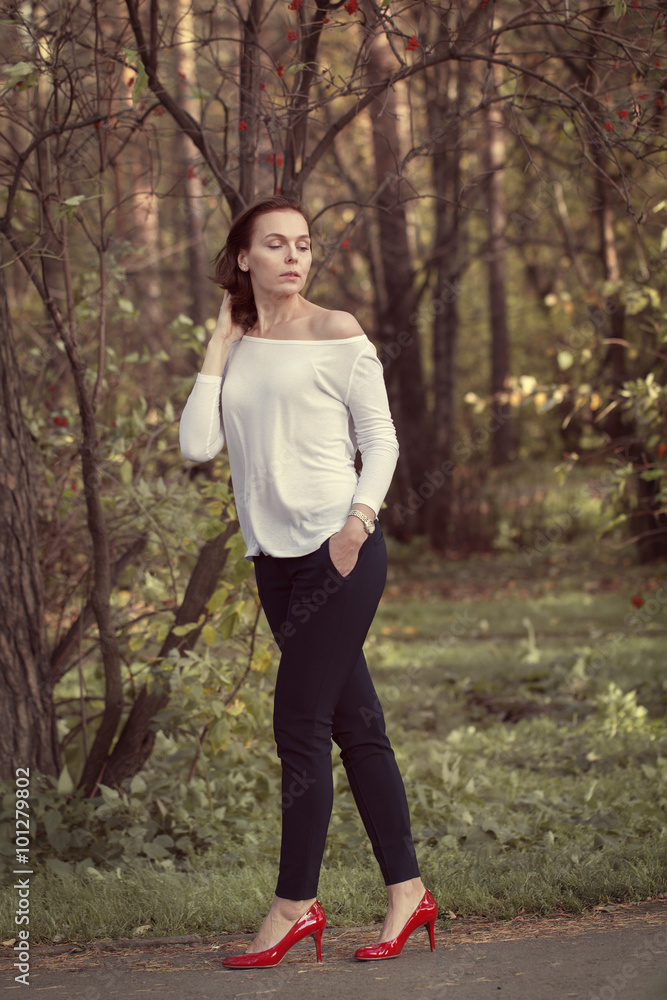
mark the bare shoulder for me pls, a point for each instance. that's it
(335, 324)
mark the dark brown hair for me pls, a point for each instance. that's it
(227, 271)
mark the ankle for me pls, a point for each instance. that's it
(409, 890)
(291, 909)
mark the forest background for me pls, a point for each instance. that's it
(486, 182)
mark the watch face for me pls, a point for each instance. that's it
(370, 527)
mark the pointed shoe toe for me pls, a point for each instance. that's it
(312, 922)
(425, 914)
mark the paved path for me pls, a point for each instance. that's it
(618, 954)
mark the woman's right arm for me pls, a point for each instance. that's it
(201, 430)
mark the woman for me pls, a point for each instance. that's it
(294, 389)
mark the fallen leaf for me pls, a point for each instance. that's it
(141, 930)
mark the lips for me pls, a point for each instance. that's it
(290, 274)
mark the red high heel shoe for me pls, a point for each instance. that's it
(312, 922)
(426, 913)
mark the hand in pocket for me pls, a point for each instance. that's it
(344, 552)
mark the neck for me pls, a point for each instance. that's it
(274, 310)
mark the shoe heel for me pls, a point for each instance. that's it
(431, 932)
(318, 943)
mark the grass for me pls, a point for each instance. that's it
(527, 711)
(210, 900)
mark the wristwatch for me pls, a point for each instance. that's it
(368, 524)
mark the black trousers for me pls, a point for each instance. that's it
(320, 620)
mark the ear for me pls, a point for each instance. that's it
(242, 263)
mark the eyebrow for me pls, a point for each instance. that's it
(305, 237)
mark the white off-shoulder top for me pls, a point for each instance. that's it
(293, 413)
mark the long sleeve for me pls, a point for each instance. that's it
(373, 429)
(201, 431)
(292, 414)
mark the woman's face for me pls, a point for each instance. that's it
(280, 255)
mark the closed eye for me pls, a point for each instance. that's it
(277, 246)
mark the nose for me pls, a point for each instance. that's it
(290, 254)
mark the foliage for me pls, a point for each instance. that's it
(599, 416)
(105, 377)
(535, 760)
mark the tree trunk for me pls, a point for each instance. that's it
(27, 716)
(249, 72)
(447, 90)
(397, 328)
(193, 203)
(493, 162)
(146, 237)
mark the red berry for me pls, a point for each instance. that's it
(638, 600)
(280, 69)
(242, 126)
(292, 36)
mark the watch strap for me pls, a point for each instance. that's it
(368, 524)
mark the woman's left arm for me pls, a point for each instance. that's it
(374, 430)
(376, 438)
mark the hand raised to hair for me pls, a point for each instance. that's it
(225, 328)
(225, 334)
